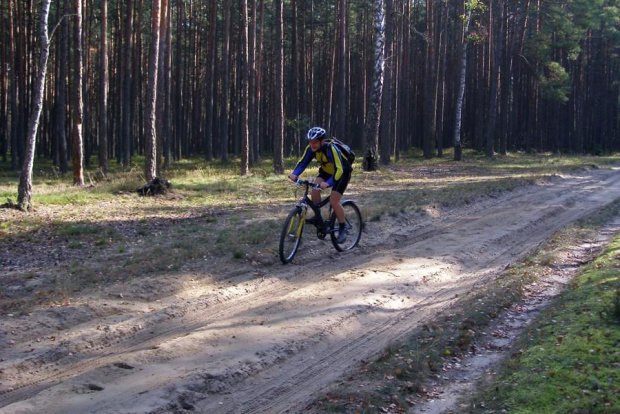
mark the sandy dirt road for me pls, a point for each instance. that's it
(270, 344)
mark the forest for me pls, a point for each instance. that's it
(487, 140)
(171, 79)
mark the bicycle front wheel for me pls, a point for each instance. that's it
(354, 226)
(291, 235)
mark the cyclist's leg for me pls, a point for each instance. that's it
(337, 191)
(341, 230)
(316, 197)
(316, 194)
(334, 200)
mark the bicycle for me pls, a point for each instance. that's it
(290, 238)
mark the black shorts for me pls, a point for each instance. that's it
(339, 185)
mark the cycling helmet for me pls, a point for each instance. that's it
(316, 133)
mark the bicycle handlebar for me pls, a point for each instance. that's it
(309, 183)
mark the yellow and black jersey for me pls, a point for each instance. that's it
(330, 159)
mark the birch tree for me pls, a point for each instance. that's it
(371, 157)
(24, 198)
(385, 141)
(77, 104)
(458, 149)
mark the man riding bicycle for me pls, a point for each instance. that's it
(334, 171)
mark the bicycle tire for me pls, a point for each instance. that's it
(354, 223)
(290, 238)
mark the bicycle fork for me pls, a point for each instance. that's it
(302, 221)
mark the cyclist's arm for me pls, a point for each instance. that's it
(303, 162)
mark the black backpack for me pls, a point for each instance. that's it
(344, 149)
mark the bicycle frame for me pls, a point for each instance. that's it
(306, 202)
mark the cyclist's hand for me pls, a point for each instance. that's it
(292, 177)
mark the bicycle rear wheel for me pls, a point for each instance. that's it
(291, 235)
(353, 224)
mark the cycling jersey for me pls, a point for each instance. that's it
(331, 161)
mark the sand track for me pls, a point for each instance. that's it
(271, 344)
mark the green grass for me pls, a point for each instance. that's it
(77, 229)
(569, 360)
(218, 184)
(213, 211)
(226, 201)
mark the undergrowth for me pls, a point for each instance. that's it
(569, 359)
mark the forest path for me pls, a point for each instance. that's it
(271, 344)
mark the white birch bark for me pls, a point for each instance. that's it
(371, 156)
(461, 93)
(24, 198)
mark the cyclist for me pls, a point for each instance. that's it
(334, 171)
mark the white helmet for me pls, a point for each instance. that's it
(316, 133)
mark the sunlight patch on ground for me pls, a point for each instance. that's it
(192, 286)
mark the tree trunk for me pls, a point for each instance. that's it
(496, 50)
(126, 106)
(210, 98)
(61, 100)
(371, 157)
(341, 109)
(278, 160)
(245, 79)
(506, 81)
(294, 101)
(442, 67)
(86, 123)
(77, 107)
(4, 86)
(163, 130)
(304, 76)
(257, 123)
(167, 82)
(179, 79)
(331, 76)
(24, 198)
(225, 85)
(140, 60)
(430, 83)
(17, 51)
(103, 92)
(458, 149)
(385, 141)
(150, 155)
(252, 102)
